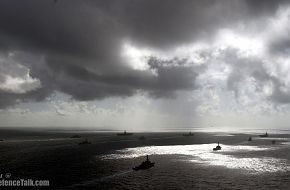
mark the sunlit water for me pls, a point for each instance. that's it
(203, 154)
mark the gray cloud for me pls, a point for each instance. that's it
(243, 68)
(74, 46)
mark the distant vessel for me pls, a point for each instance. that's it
(75, 136)
(85, 142)
(265, 135)
(142, 138)
(250, 139)
(144, 165)
(188, 134)
(124, 134)
(218, 147)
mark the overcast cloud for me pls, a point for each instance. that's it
(222, 56)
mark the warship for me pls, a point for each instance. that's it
(144, 165)
(85, 142)
(218, 147)
(124, 134)
(188, 134)
(264, 135)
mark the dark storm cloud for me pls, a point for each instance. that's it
(265, 7)
(91, 85)
(280, 45)
(80, 42)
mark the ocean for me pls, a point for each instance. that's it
(181, 162)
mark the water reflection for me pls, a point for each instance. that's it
(203, 154)
(224, 135)
(272, 138)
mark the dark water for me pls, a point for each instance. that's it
(181, 162)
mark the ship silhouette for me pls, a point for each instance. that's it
(218, 147)
(124, 134)
(144, 165)
(188, 134)
(142, 138)
(265, 135)
(85, 142)
(75, 136)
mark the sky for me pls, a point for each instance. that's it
(145, 64)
